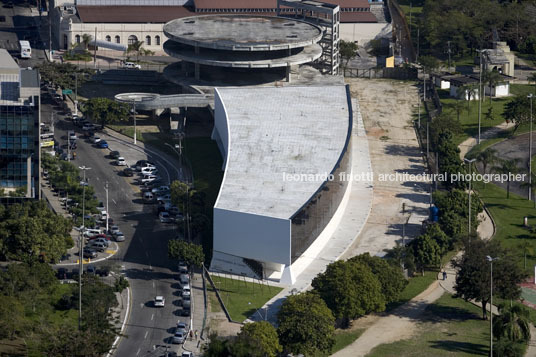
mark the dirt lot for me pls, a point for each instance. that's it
(387, 107)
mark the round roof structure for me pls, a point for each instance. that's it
(242, 32)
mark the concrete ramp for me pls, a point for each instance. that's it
(152, 101)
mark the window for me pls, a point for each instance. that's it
(157, 40)
(108, 39)
(148, 40)
(132, 39)
(77, 39)
(117, 39)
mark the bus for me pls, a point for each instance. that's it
(25, 49)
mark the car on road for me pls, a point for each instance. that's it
(89, 253)
(101, 207)
(165, 197)
(119, 237)
(165, 217)
(183, 268)
(187, 354)
(113, 229)
(121, 161)
(115, 154)
(144, 163)
(102, 144)
(178, 337)
(131, 65)
(88, 127)
(72, 135)
(95, 139)
(182, 326)
(148, 170)
(128, 172)
(149, 178)
(159, 301)
(161, 190)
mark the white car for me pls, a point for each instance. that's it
(119, 237)
(131, 65)
(88, 127)
(95, 140)
(146, 166)
(149, 178)
(165, 217)
(178, 337)
(182, 327)
(159, 301)
(72, 135)
(121, 161)
(160, 190)
(149, 171)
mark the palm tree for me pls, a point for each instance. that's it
(135, 47)
(491, 78)
(531, 185)
(487, 157)
(526, 248)
(458, 106)
(532, 78)
(508, 168)
(513, 324)
(86, 39)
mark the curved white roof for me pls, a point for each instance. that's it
(275, 131)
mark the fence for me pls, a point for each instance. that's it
(394, 73)
(219, 296)
(106, 65)
(206, 304)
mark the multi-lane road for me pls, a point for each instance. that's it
(143, 256)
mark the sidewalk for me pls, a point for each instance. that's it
(120, 316)
(198, 314)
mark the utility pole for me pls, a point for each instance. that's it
(80, 250)
(448, 51)
(50, 33)
(75, 93)
(107, 209)
(68, 147)
(490, 259)
(95, 50)
(530, 148)
(418, 42)
(134, 109)
(479, 95)
(470, 162)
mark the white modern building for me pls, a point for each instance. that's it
(287, 151)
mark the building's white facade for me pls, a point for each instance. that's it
(276, 199)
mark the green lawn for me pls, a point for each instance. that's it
(508, 216)
(243, 298)
(452, 327)
(416, 285)
(342, 339)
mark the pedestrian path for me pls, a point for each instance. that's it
(491, 133)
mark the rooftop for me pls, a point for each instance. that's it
(267, 4)
(7, 63)
(131, 14)
(242, 32)
(281, 130)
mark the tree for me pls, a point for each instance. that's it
(86, 39)
(217, 347)
(401, 255)
(190, 253)
(453, 212)
(526, 248)
(466, 92)
(136, 47)
(260, 339)
(442, 123)
(532, 78)
(507, 167)
(517, 111)
(180, 194)
(306, 324)
(437, 235)
(459, 106)
(487, 157)
(449, 160)
(391, 277)
(426, 252)
(513, 323)
(489, 113)
(350, 290)
(473, 278)
(348, 50)
(429, 63)
(105, 111)
(491, 78)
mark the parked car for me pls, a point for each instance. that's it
(95, 139)
(149, 170)
(164, 217)
(121, 161)
(149, 178)
(98, 246)
(128, 172)
(159, 301)
(103, 271)
(91, 270)
(115, 154)
(113, 229)
(119, 237)
(185, 311)
(88, 127)
(161, 190)
(182, 327)
(183, 268)
(184, 278)
(101, 207)
(187, 354)
(91, 232)
(89, 253)
(99, 240)
(131, 65)
(164, 197)
(61, 273)
(102, 144)
(178, 337)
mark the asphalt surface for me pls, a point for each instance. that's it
(143, 255)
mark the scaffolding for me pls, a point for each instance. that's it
(328, 17)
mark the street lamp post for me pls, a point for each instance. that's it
(490, 260)
(80, 253)
(470, 162)
(107, 209)
(530, 148)
(479, 94)
(134, 108)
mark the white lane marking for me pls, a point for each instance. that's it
(153, 284)
(146, 333)
(150, 267)
(115, 203)
(137, 353)
(141, 305)
(152, 317)
(97, 177)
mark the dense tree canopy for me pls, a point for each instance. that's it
(190, 253)
(350, 289)
(33, 231)
(473, 278)
(105, 111)
(64, 75)
(306, 324)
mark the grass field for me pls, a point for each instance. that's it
(243, 298)
(342, 339)
(416, 285)
(452, 327)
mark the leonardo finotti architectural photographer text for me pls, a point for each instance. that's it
(405, 177)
